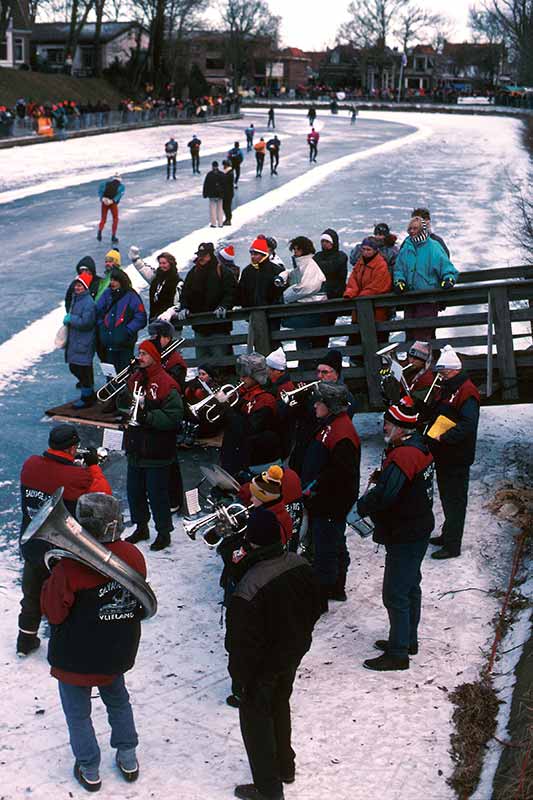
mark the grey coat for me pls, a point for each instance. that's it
(81, 330)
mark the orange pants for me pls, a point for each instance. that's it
(114, 213)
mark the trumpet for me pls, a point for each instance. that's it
(138, 399)
(231, 519)
(116, 384)
(210, 404)
(291, 397)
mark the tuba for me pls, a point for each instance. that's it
(55, 525)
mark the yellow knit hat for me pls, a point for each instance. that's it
(113, 255)
(267, 486)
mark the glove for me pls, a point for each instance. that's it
(222, 397)
(169, 313)
(220, 312)
(399, 287)
(66, 319)
(91, 457)
(279, 281)
(183, 314)
(447, 283)
(134, 253)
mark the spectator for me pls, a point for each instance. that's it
(227, 199)
(120, 315)
(87, 265)
(81, 341)
(423, 213)
(214, 191)
(386, 243)
(259, 284)
(163, 280)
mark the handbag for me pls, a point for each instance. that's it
(61, 338)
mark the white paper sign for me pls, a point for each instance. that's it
(112, 439)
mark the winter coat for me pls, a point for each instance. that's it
(214, 185)
(255, 414)
(271, 615)
(256, 285)
(334, 265)
(120, 315)
(236, 156)
(175, 366)
(163, 290)
(194, 146)
(81, 340)
(400, 503)
(388, 250)
(227, 184)
(260, 149)
(330, 472)
(370, 278)
(435, 238)
(206, 288)
(458, 399)
(94, 288)
(171, 147)
(113, 190)
(274, 146)
(305, 281)
(95, 622)
(423, 265)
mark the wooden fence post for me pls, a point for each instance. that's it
(499, 300)
(259, 333)
(369, 342)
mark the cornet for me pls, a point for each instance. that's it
(231, 519)
(210, 404)
(138, 398)
(291, 398)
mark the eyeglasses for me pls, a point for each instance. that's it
(324, 371)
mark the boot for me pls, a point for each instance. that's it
(88, 784)
(386, 663)
(99, 235)
(438, 541)
(444, 553)
(27, 643)
(128, 765)
(162, 540)
(324, 595)
(382, 644)
(114, 239)
(140, 534)
(338, 590)
(87, 398)
(247, 791)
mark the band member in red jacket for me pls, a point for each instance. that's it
(41, 476)
(162, 334)
(95, 634)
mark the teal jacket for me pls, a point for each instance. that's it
(423, 266)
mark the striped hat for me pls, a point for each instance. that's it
(227, 253)
(403, 414)
(267, 486)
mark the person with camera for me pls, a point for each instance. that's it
(95, 635)
(150, 444)
(40, 477)
(269, 626)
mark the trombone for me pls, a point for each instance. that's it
(116, 384)
(291, 397)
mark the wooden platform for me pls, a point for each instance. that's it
(94, 415)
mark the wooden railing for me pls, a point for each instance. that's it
(492, 300)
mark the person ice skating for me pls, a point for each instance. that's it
(273, 147)
(236, 158)
(214, 191)
(455, 450)
(250, 133)
(171, 152)
(163, 280)
(81, 339)
(110, 193)
(353, 115)
(311, 115)
(227, 199)
(269, 626)
(40, 477)
(151, 446)
(95, 634)
(400, 506)
(330, 478)
(194, 147)
(260, 151)
(271, 121)
(120, 315)
(312, 141)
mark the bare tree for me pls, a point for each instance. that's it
(78, 10)
(245, 21)
(5, 16)
(371, 22)
(512, 21)
(415, 24)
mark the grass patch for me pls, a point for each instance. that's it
(42, 87)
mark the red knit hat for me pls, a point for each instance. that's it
(149, 347)
(227, 253)
(86, 278)
(259, 246)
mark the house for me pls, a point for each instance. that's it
(474, 66)
(295, 68)
(421, 72)
(15, 47)
(369, 69)
(117, 41)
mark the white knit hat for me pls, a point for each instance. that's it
(277, 360)
(448, 359)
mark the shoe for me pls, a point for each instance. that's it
(99, 235)
(339, 596)
(233, 701)
(27, 643)
(162, 540)
(175, 509)
(129, 775)
(87, 399)
(212, 226)
(443, 553)
(338, 590)
(90, 786)
(114, 239)
(382, 644)
(289, 776)
(248, 791)
(324, 596)
(386, 663)
(438, 541)
(173, 177)
(140, 534)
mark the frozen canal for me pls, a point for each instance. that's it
(358, 736)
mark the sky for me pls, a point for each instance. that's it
(313, 26)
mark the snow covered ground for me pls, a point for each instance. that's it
(358, 735)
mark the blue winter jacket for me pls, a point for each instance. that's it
(81, 340)
(118, 195)
(120, 316)
(423, 266)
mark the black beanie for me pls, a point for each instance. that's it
(333, 359)
(63, 436)
(263, 528)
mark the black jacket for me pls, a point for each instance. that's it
(206, 288)
(227, 181)
(256, 285)
(214, 184)
(163, 290)
(334, 265)
(459, 400)
(87, 262)
(271, 615)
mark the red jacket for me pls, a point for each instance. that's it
(369, 278)
(256, 398)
